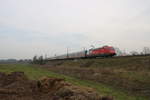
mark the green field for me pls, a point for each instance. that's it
(34, 72)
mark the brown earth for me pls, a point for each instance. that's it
(16, 86)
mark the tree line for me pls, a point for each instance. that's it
(145, 51)
(38, 60)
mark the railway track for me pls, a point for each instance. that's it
(114, 57)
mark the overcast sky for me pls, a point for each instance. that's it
(39, 27)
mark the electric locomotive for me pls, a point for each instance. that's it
(105, 51)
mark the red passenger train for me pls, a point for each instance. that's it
(105, 51)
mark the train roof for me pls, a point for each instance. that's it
(101, 47)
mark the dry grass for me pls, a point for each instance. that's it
(130, 74)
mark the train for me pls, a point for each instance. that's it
(105, 51)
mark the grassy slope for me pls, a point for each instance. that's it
(35, 73)
(132, 68)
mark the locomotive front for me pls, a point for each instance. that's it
(105, 51)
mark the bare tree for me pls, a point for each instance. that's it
(133, 53)
(38, 60)
(41, 60)
(146, 50)
(35, 59)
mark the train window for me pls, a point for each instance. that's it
(111, 48)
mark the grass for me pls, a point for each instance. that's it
(130, 73)
(35, 73)
(125, 62)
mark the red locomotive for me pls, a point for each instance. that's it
(105, 51)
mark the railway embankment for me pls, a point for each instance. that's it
(129, 74)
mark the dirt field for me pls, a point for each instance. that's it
(16, 86)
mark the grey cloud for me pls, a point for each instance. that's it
(52, 25)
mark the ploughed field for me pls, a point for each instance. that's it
(125, 78)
